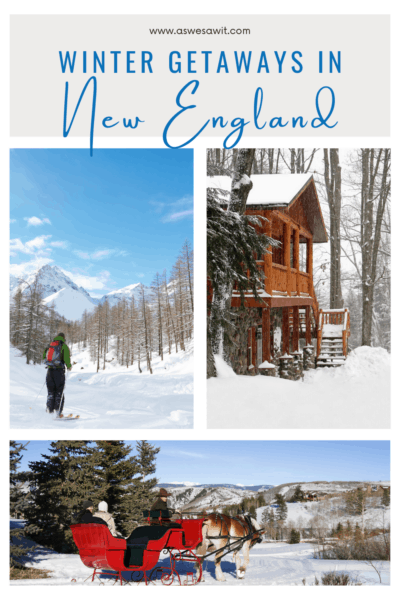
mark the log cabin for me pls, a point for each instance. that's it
(284, 329)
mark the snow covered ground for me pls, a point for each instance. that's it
(355, 395)
(333, 512)
(117, 397)
(270, 564)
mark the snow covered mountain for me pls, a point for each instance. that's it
(199, 497)
(69, 303)
(126, 292)
(70, 300)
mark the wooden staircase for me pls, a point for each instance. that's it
(332, 335)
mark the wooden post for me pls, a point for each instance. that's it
(254, 347)
(310, 265)
(285, 330)
(268, 259)
(295, 339)
(296, 258)
(286, 254)
(266, 334)
(308, 325)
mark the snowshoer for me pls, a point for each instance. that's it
(103, 513)
(86, 514)
(56, 357)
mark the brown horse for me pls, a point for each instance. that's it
(221, 531)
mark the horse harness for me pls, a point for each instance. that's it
(247, 524)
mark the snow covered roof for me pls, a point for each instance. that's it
(267, 189)
(279, 191)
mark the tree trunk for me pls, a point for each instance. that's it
(333, 184)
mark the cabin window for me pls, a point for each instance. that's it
(277, 253)
(303, 254)
(277, 234)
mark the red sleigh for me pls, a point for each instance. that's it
(137, 560)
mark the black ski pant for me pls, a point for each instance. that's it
(55, 381)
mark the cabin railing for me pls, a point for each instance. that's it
(336, 316)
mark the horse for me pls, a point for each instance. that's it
(222, 531)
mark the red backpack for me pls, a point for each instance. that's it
(54, 354)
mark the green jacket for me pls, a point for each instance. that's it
(65, 355)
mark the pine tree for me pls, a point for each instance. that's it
(349, 529)
(339, 530)
(252, 511)
(386, 497)
(143, 495)
(294, 537)
(298, 495)
(18, 502)
(115, 471)
(282, 508)
(62, 481)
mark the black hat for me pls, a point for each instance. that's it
(61, 335)
(87, 504)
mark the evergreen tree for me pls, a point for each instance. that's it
(61, 482)
(349, 529)
(252, 511)
(298, 495)
(360, 501)
(386, 497)
(294, 537)
(339, 530)
(265, 516)
(115, 471)
(18, 502)
(282, 508)
(143, 494)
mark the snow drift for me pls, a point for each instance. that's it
(355, 395)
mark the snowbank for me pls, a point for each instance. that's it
(117, 397)
(355, 395)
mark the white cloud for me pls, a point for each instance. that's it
(27, 268)
(177, 210)
(35, 221)
(96, 282)
(100, 254)
(178, 216)
(185, 483)
(59, 244)
(34, 246)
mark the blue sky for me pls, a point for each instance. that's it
(262, 462)
(108, 221)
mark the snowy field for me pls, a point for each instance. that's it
(270, 564)
(117, 397)
(356, 395)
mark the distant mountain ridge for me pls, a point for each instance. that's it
(235, 486)
(69, 299)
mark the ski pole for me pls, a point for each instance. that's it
(40, 392)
